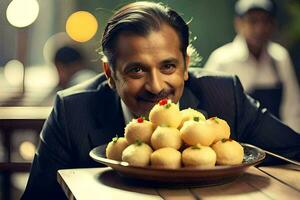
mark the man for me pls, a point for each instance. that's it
(264, 67)
(145, 47)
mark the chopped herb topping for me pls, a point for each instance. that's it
(215, 119)
(115, 139)
(196, 119)
(138, 142)
(167, 106)
(195, 147)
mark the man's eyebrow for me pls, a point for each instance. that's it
(136, 63)
(130, 64)
(169, 60)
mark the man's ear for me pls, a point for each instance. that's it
(108, 74)
(187, 63)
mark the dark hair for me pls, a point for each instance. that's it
(141, 18)
(67, 55)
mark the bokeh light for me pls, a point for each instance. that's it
(22, 13)
(13, 72)
(27, 150)
(81, 26)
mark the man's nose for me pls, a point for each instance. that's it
(155, 83)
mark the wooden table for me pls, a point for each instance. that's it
(280, 182)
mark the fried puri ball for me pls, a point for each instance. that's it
(197, 132)
(189, 114)
(166, 158)
(166, 137)
(221, 128)
(139, 129)
(137, 154)
(165, 113)
(229, 152)
(115, 148)
(199, 156)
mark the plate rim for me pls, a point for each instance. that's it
(107, 161)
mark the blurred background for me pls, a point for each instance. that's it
(32, 32)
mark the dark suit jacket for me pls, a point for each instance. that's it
(90, 114)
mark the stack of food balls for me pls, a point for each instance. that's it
(173, 139)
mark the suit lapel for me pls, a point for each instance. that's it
(109, 118)
(189, 100)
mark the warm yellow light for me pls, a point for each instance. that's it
(27, 150)
(81, 26)
(13, 72)
(21, 13)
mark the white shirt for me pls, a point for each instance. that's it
(235, 58)
(128, 116)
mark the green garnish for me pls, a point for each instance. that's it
(138, 142)
(215, 119)
(115, 139)
(195, 147)
(196, 119)
(167, 106)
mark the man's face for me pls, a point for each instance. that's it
(149, 69)
(257, 28)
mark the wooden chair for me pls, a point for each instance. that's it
(12, 119)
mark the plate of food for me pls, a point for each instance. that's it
(182, 176)
(177, 148)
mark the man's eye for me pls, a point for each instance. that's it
(135, 72)
(168, 68)
(135, 69)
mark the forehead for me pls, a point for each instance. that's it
(258, 14)
(157, 43)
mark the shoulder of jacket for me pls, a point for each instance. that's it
(90, 86)
(200, 73)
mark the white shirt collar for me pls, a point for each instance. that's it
(128, 116)
(240, 47)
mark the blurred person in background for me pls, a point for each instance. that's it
(264, 67)
(71, 68)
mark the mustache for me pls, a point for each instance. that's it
(148, 96)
